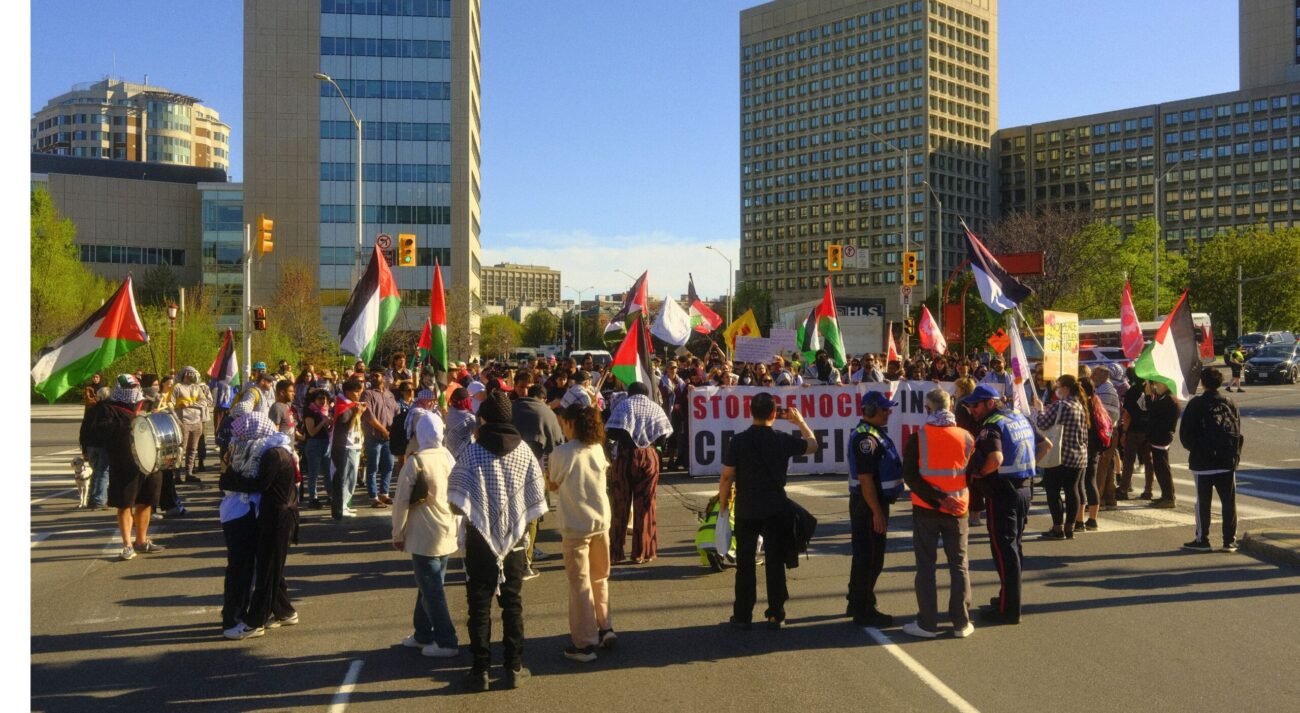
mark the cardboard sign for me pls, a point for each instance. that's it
(1060, 344)
(754, 350)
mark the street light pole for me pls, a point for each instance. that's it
(577, 327)
(356, 262)
(907, 207)
(1155, 248)
(731, 276)
(938, 246)
(171, 316)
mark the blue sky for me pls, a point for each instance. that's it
(610, 127)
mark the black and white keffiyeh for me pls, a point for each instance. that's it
(498, 495)
(643, 419)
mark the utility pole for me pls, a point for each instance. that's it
(1238, 302)
(248, 298)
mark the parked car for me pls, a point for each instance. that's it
(1274, 362)
(599, 357)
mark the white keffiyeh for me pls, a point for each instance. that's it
(643, 419)
(498, 495)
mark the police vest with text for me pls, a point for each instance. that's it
(889, 474)
(945, 451)
(1017, 444)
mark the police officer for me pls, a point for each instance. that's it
(1003, 464)
(875, 481)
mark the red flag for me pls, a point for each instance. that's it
(891, 350)
(1129, 330)
(931, 337)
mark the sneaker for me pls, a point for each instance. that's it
(914, 629)
(516, 677)
(965, 631)
(148, 547)
(539, 556)
(586, 654)
(738, 624)
(773, 623)
(241, 631)
(277, 622)
(475, 681)
(438, 652)
(1052, 535)
(875, 618)
(1091, 524)
(127, 553)
(1198, 545)
(1230, 546)
(410, 643)
(608, 638)
(349, 513)
(1146, 495)
(1163, 503)
(531, 574)
(1081, 526)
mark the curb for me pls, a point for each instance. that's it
(1260, 546)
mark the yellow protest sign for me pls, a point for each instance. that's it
(1060, 344)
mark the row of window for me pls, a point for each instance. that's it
(388, 89)
(375, 47)
(841, 46)
(387, 131)
(388, 214)
(130, 255)
(875, 110)
(69, 119)
(1240, 108)
(344, 256)
(395, 8)
(388, 172)
(901, 143)
(887, 69)
(850, 24)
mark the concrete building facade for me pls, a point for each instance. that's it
(510, 284)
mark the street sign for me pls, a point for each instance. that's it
(389, 256)
(905, 294)
(856, 258)
(1000, 341)
(384, 241)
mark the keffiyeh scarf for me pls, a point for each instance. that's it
(941, 418)
(499, 496)
(253, 436)
(642, 418)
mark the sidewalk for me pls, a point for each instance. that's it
(57, 412)
(1277, 546)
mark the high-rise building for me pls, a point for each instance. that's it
(508, 283)
(121, 120)
(410, 72)
(859, 119)
(1198, 165)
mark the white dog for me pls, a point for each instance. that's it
(81, 473)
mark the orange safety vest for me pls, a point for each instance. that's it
(945, 451)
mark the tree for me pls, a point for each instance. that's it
(460, 341)
(750, 296)
(539, 328)
(1269, 303)
(63, 291)
(295, 312)
(500, 334)
(158, 286)
(1059, 235)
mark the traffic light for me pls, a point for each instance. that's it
(834, 258)
(265, 241)
(259, 319)
(909, 269)
(406, 250)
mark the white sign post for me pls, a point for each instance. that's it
(905, 294)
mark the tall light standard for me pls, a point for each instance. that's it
(577, 327)
(731, 276)
(938, 244)
(627, 274)
(171, 315)
(1155, 247)
(356, 262)
(907, 203)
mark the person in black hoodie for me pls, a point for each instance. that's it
(1211, 433)
(1133, 422)
(540, 429)
(1162, 421)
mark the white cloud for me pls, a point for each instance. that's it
(586, 259)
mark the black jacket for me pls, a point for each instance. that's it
(1162, 420)
(1197, 437)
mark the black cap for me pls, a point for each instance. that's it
(495, 408)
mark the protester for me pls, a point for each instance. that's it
(1108, 460)
(425, 527)
(1211, 433)
(1068, 410)
(133, 493)
(1162, 421)
(345, 449)
(281, 412)
(316, 450)
(1136, 448)
(576, 472)
(1098, 420)
(755, 462)
(636, 425)
(381, 407)
(875, 472)
(460, 421)
(399, 440)
(191, 403)
(540, 429)
(94, 449)
(1235, 359)
(497, 485)
(580, 392)
(672, 395)
(934, 467)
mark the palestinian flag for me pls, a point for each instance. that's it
(371, 309)
(437, 324)
(998, 289)
(107, 335)
(632, 360)
(634, 306)
(226, 366)
(828, 328)
(891, 350)
(703, 319)
(806, 334)
(422, 347)
(1173, 358)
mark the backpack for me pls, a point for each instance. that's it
(1220, 432)
(223, 394)
(1101, 419)
(802, 528)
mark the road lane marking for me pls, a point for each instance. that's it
(39, 537)
(340, 701)
(921, 672)
(54, 495)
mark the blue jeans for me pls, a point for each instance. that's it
(343, 482)
(379, 462)
(317, 454)
(98, 475)
(431, 619)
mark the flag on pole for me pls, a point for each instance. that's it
(422, 347)
(634, 306)
(828, 327)
(891, 350)
(1172, 358)
(807, 336)
(1130, 331)
(107, 335)
(746, 325)
(226, 366)
(931, 337)
(672, 325)
(632, 359)
(437, 324)
(371, 309)
(703, 319)
(999, 290)
(1019, 366)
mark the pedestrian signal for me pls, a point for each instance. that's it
(259, 319)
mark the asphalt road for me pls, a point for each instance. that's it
(1119, 619)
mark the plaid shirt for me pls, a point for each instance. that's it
(1074, 437)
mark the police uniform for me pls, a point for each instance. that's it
(870, 452)
(1007, 495)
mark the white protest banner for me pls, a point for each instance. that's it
(784, 340)
(754, 350)
(832, 412)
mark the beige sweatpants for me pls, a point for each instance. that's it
(586, 564)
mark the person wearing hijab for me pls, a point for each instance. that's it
(133, 493)
(261, 482)
(460, 420)
(497, 486)
(425, 527)
(192, 403)
(636, 424)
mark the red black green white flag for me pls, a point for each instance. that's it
(371, 309)
(632, 360)
(437, 324)
(634, 306)
(703, 319)
(226, 366)
(821, 330)
(106, 336)
(1173, 358)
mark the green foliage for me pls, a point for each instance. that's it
(157, 286)
(63, 291)
(197, 341)
(500, 334)
(749, 295)
(539, 328)
(1267, 304)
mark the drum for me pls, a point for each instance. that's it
(156, 442)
